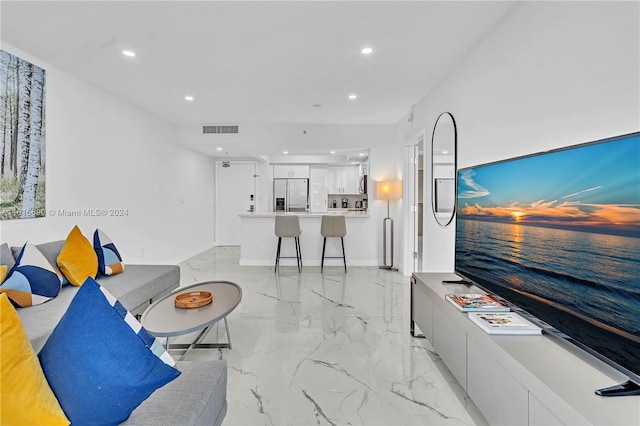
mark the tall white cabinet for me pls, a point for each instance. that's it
(318, 189)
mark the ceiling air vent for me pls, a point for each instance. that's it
(219, 129)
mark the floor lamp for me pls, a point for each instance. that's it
(388, 190)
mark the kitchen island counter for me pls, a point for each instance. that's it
(258, 240)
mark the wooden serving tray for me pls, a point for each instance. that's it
(193, 299)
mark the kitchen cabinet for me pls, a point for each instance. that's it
(342, 180)
(290, 171)
(350, 179)
(334, 180)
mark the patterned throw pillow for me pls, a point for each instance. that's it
(77, 259)
(32, 279)
(25, 394)
(109, 259)
(99, 361)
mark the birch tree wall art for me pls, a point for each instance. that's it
(22, 133)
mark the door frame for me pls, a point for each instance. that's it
(217, 191)
(410, 210)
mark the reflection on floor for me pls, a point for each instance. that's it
(329, 348)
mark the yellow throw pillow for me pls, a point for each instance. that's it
(4, 270)
(77, 259)
(25, 395)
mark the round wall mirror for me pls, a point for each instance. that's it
(443, 168)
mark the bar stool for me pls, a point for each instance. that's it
(288, 227)
(333, 227)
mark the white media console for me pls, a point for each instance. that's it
(517, 380)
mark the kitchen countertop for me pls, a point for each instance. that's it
(348, 214)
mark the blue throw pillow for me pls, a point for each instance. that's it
(99, 361)
(32, 279)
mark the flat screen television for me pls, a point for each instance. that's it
(558, 235)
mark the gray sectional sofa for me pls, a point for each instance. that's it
(197, 397)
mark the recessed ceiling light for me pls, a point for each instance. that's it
(285, 152)
(361, 154)
(445, 152)
(332, 152)
(219, 149)
(188, 98)
(128, 53)
(366, 51)
(352, 96)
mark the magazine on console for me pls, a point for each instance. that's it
(478, 302)
(503, 323)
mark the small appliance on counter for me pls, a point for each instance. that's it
(365, 203)
(358, 204)
(345, 203)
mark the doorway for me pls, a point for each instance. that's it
(235, 194)
(414, 208)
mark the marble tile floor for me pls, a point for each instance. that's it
(331, 348)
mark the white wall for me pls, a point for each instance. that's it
(551, 74)
(104, 153)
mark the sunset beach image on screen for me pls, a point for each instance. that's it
(558, 234)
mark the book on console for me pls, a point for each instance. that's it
(478, 302)
(504, 323)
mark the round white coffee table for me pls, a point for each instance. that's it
(163, 319)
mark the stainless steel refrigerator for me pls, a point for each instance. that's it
(291, 195)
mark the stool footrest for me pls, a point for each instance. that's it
(298, 255)
(343, 257)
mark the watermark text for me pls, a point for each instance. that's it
(16, 213)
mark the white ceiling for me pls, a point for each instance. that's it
(255, 62)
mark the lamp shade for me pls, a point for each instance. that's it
(389, 190)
